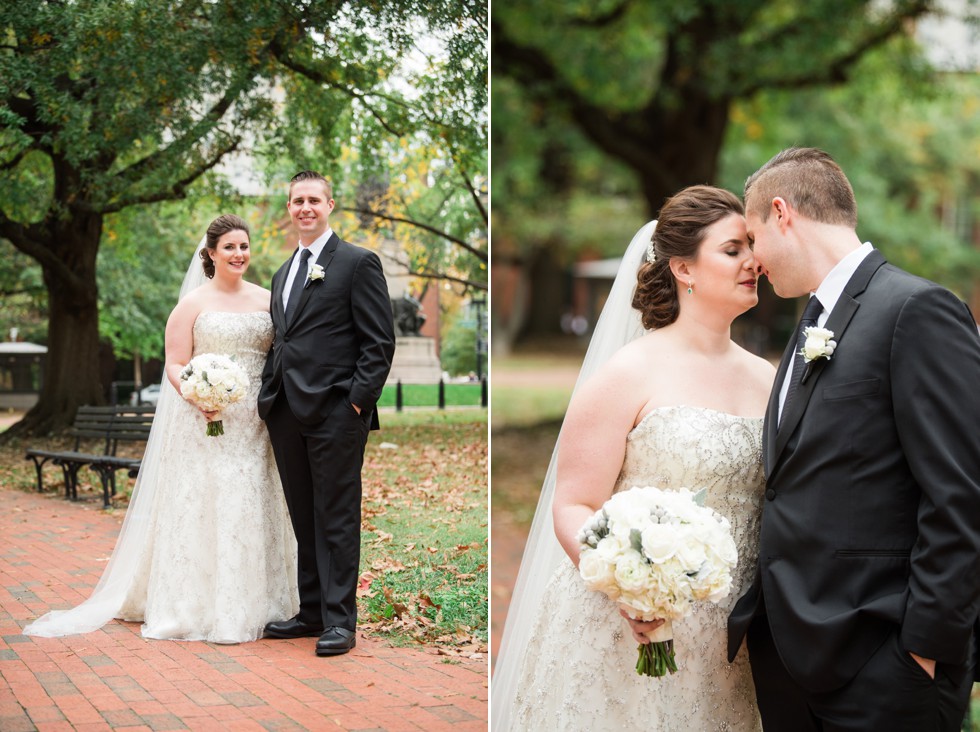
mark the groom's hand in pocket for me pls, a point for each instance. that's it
(640, 628)
(928, 664)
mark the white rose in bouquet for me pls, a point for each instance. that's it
(598, 573)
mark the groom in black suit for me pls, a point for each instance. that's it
(863, 614)
(329, 361)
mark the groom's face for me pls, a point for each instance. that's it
(771, 252)
(309, 207)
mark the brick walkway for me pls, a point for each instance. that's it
(51, 555)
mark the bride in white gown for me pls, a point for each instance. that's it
(206, 551)
(680, 405)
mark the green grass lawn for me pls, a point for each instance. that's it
(519, 406)
(427, 395)
(424, 548)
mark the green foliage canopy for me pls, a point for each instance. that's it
(109, 105)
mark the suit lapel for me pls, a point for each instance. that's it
(772, 411)
(278, 283)
(326, 256)
(847, 305)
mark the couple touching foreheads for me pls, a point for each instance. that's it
(850, 478)
(257, 532)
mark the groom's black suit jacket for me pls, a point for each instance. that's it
(871, 521)
(340, 342)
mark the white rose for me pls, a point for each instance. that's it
(690, 550)
(818, 344)
(596, 572)
(632, 573)
(612, 547)
(813, 348)
(659, 542)
(722, 549)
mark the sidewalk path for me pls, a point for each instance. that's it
(52, 553)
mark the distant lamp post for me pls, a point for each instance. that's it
(481, 342)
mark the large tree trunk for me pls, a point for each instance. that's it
(669, 147)
(71, 371)
(688, 147)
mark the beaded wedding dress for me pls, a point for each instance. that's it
(578, 670)
(207, 551)
(220, 559)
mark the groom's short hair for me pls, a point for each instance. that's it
(810, 181)
(305, 175)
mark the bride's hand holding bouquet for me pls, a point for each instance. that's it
(655, 552)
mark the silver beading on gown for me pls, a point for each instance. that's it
(220, 557)
(578, 669)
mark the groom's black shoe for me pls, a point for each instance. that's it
(292, 628)
(335, 641)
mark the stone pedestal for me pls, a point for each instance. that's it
(415, 361)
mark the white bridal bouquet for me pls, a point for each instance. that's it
(655, 552)
(211, 382)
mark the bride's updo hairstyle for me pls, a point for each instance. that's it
(217, 229)
(681, 227)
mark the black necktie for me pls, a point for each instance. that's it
(809, 320)
(299, 282)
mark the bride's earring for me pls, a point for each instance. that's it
(690, 287)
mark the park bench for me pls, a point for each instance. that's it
(111, 425)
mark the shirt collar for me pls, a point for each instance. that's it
(318, 244)
(834, 283)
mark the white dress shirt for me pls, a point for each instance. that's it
(828, 293)
(315, 248)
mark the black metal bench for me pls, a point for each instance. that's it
(112, 425)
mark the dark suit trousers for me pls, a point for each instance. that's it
(320, 467)
(890, 692)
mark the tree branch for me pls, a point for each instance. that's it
(481, 255)
(177, 189)
(129, 175)
(317, 76)
(25, 239)
(603, 20)
(475, 195)
(24, 107)
(448, 278)
(541, 78)
(15, 160)
(22, 291)
(836, 70)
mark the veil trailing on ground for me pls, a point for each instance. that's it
(618, 324)
(109, 594)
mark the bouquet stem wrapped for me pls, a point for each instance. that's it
(655, 552)
(656, 658)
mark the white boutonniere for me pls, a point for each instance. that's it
(316, 273)
(819, 344)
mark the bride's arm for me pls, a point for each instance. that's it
(592, 447)
(179, 341)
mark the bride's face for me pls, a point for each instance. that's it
(231, 255)
(725, 272)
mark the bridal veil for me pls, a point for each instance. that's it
(618, 324)
(110, 592)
